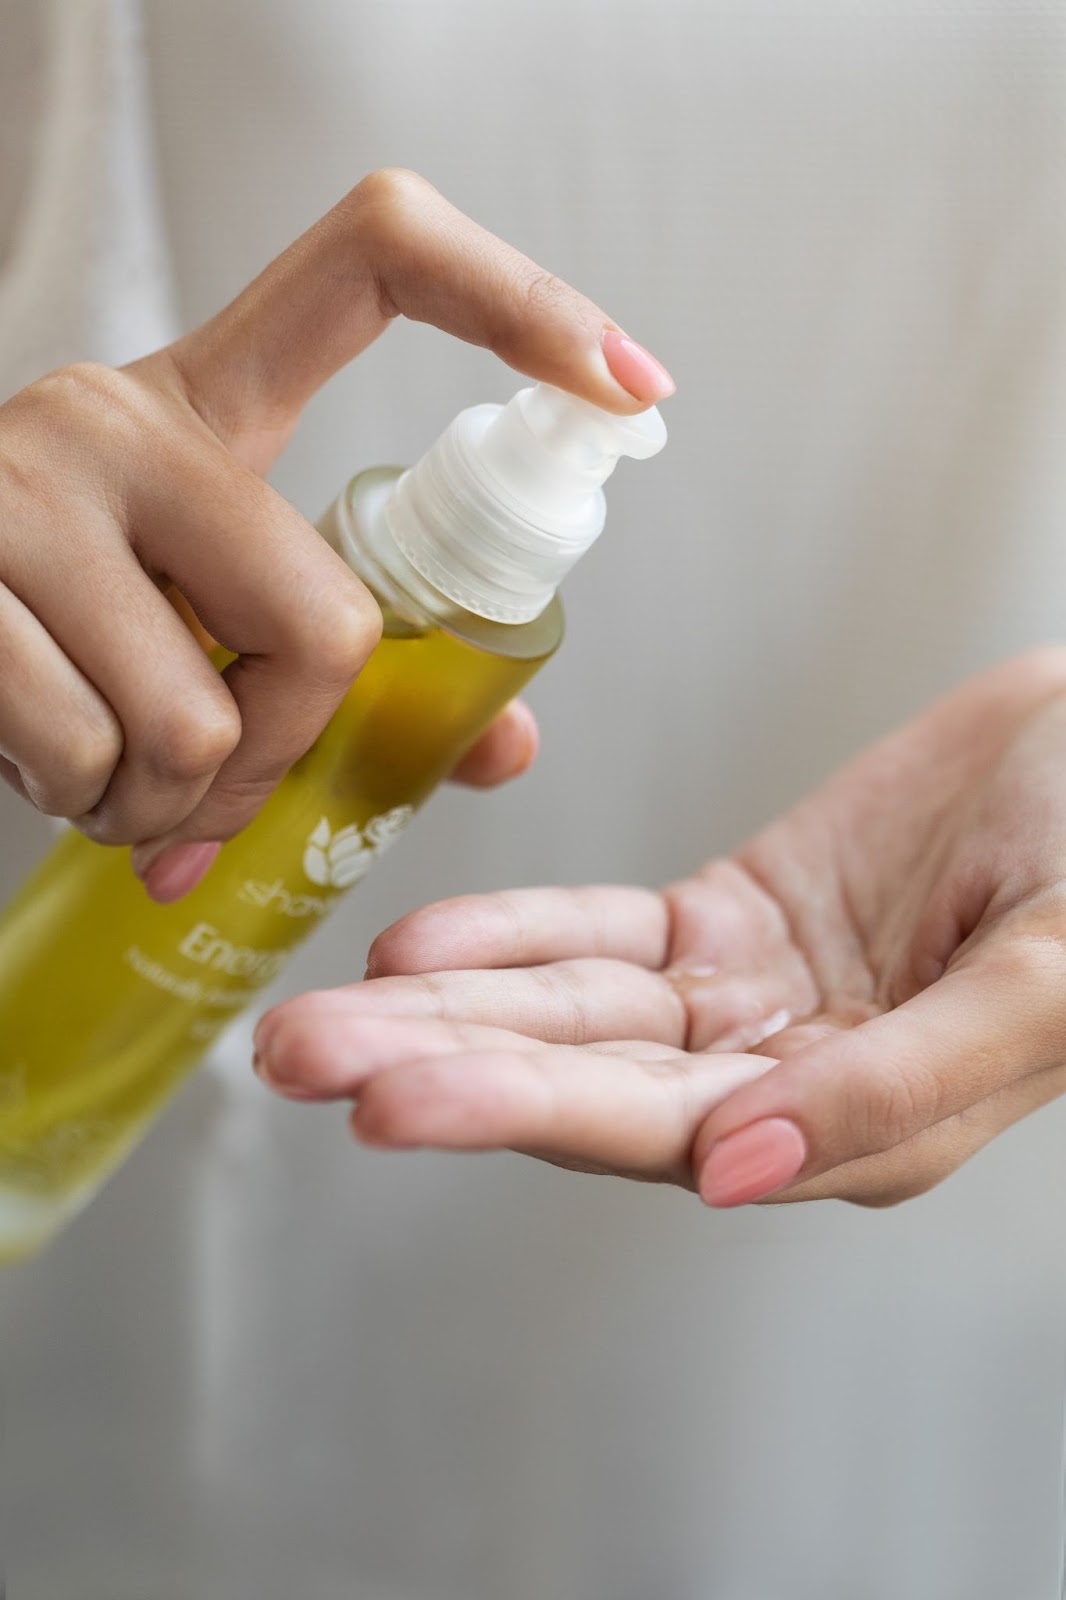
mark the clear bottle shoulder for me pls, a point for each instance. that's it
(355, 527)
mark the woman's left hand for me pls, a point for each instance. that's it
(851, 1006)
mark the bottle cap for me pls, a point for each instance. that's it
(498, 510)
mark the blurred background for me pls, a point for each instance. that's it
(267, 1363)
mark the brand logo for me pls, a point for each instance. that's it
(275, 897)
(336, 860)
(207, 946)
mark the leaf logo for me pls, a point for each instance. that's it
(337, 860)
(382, 831)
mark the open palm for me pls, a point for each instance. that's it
(851, 1005)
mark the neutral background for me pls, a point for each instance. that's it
(269, 1364)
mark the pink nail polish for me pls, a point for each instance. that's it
(753, 1163)
(178, 869)
(635, 368)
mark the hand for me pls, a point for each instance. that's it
(116, 486)
(851, 1006)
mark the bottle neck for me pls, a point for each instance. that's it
(364, 542)
(358, 529)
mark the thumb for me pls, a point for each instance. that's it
(854, 1093)
(395, 246)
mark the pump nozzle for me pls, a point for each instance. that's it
(551, 435)
(498, 511)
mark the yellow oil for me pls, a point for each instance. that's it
(107, 1000)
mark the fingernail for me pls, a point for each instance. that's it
(752, 1163)
(261, 1036)
(287, 1091)
(264, 1042)
(261, 1063)
(264, 1065)
(635, 368)
(175, 870)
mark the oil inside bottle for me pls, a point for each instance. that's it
(107, 1000)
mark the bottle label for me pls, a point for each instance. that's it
(333, 858)
(338, 859)
(212, 964)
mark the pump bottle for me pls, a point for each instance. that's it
(107, 999)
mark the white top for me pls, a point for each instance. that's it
(84, 270)
(268, 1364)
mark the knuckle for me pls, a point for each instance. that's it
(391, 192)
(68, 418)
(345, 630)
(387, 211)
(91, 379)
(1032, 963)
(90, 756)
(99, 416)
(543, 292)
(192, 745)
(100, 396)
(28, 484)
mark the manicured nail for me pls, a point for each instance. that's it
(752, 1163)
(175, 870)
(635, 369)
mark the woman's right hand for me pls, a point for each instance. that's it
(118, 485)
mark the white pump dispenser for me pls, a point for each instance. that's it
(498, 510)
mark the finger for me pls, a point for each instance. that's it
(526, 927)
(178, 722)
(632, 1116)
(308, 1054)
(571, 1002)
(271, 591)
(59, 738)
(393, 246)
(505, 751)
(984, 1024)
(919, 1164)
